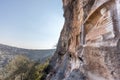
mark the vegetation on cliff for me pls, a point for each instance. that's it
(22, 68)
(39, 71)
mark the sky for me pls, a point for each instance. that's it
(31, 24)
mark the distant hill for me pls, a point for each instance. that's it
(12, 58)
(7, 53)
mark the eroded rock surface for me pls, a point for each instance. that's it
(89, 44)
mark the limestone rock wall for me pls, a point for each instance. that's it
(89, 44)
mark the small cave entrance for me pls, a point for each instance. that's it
(77, 39)
(81, 59)
(118, 44)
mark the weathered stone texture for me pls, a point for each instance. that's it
(89, 44)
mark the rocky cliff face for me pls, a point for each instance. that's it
(89, 44)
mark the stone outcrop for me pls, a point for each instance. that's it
(89, 44)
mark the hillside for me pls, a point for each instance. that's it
(13, 58)
(8, 52)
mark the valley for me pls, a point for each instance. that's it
(16, 61)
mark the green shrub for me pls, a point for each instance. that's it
(38, 71)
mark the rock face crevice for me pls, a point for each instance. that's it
(89, 44)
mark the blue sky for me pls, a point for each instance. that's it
(32, 24)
